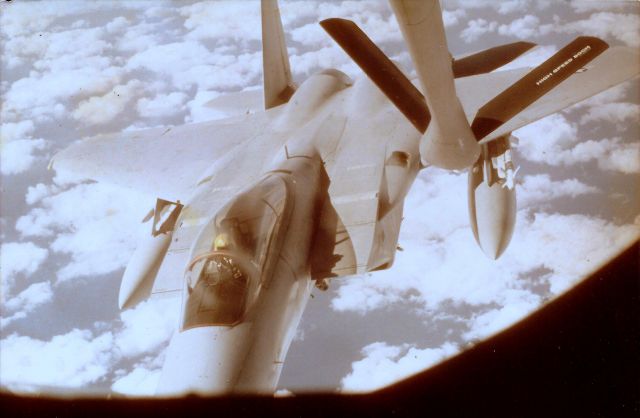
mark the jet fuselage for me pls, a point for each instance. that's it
(247, 284)
(241, 303)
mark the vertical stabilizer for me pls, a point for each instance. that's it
(278, 86)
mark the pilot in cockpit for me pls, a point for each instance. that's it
(223, 278)
(221, 268)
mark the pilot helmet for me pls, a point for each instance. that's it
(221, 242)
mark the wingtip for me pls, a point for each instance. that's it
(526, 45)
(594, 39)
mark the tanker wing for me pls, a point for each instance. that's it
(561, 84)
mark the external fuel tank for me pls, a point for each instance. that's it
(142, 269)
(492, 197)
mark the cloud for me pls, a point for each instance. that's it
(477, 28)
(554, 141)
(544, 140)
(431, 271)
(74, 360)
(139, 382)
(583, 242)
(618, 156)
(132, 37)
(198, 18)
(118, 25)
(147, 327)
(453, 17)
(64, 65)
(102, 109)
(614, 94)
(65, 50)
(623, 27)
(384, 364)
(305, 64)
(612, 112)
(19, 156)
(19, 149)
(39, 192)
(144, 330)
(511, 6)
(35, 294)
(19, 258)
(540, 188)
(170, 58)
(496, 293)
(18, 130)
(503, 7)
(24, 18)
(311, 34)
(189, 64)
(81, 357)
(26, 301)
(582, 6)
(233, 72)
(99, 238)
(522, 28)
(162, 106)
(43, 96)
(495, 320)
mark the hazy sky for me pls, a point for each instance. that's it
(76, 69)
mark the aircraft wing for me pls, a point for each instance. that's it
(610, 68)
(236, 104)
(477, 90)
(164, 162)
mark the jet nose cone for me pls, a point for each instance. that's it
(204, 361)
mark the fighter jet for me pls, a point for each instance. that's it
(253, 210)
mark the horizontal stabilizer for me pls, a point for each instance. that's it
(489, 59)
(536, 84)
(384, 73)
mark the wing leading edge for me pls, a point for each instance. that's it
(163, 162)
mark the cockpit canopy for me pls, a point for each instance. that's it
(230, 257)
